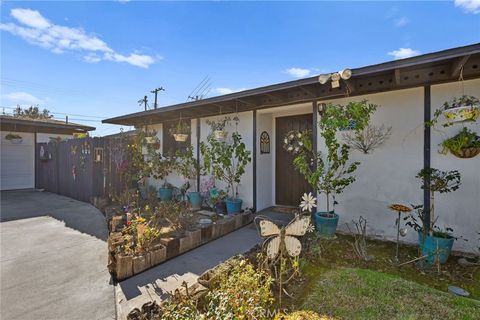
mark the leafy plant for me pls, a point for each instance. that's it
(181, 128)
(11, 136)
(456, 103)
(464, 139)
(330, 173)
(188, 166)
(434, 180)
(31, 113)
(219, 124)
(417, 223)
(226, 160)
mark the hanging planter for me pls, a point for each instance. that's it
(181, 131)
(465, 144)
(150, 140)
(14, 138)
(465, 108)
(218, 128)
(180, 137)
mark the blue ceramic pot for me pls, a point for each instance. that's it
(195, 199)
(233, 205)
(326, 223)
(434, 247)
(165, 194)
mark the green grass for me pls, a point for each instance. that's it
(347, 293)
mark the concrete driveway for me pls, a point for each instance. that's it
(53, 258)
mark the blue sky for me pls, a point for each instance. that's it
(97, 59)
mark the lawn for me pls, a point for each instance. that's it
(347, 293)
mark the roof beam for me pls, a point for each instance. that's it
(458, 64)
(398, 76)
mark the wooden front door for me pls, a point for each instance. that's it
(290, 185)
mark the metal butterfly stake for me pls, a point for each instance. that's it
(281, 242)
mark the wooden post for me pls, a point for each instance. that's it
(426, 153)
(254, 160)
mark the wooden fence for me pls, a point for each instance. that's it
(82, 169)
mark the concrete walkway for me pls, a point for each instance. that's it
(53, 258)
(159, 282)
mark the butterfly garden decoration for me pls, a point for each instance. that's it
(282, 243)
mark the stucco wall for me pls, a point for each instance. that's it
(460, 209)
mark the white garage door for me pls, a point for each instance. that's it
(17, 161)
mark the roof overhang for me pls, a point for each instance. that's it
(433, 68)
(28, 125)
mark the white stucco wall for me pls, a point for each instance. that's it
(387, 175)
(460, 209)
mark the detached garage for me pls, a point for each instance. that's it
(17, 147)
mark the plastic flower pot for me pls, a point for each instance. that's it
(463, 113)
(233, 206)
(195, 199)
(180, 137)
(435, 247)
(221, 208)
(326, 223)
(220, 134)
(165, 194)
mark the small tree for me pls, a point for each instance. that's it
(329, 173)
(188, 166)
(434, 180)
(226, 160)
(32, 113)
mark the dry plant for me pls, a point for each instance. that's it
(360, 236)
(368, 139)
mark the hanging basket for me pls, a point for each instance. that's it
(220, 134)
(180, 137)
(466, 153)
(463, 113)
(150, 140)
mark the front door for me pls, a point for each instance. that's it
(290, 185)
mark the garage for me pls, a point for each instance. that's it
(17, 161)
(18, 136)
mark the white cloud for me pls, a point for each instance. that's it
(298, 72)
(30, 18)
(470, 6)
(37, 30)
(401, 22)
(22, 98)
(228, 90)
(403, 53)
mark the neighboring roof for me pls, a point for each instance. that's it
(128, 133)
(431, 68)
(12, 123)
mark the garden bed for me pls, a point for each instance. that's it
(167, 245)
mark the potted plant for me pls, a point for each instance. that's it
(181, 131)
(190, 168)
(161, 167)
(332, 172)
(218, 127)
(14, 138)
(217, 199)
(465, 144)
(227, 161)
(465, 108)
(435, 242)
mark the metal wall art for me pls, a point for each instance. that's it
(264, 142)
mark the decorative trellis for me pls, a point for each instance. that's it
(264, 142)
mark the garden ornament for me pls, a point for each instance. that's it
(400, 208)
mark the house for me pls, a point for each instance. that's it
(408, 92)
(19, 137)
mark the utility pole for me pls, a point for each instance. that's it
(144, 102)
(156, 92)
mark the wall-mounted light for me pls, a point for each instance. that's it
(321, 107)
(335, 77)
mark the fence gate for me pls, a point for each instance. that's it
(82, 169)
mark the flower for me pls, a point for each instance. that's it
(308, 202)
(285, 140)
(299, 135)
(290, 148)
